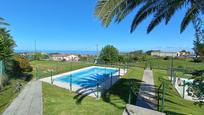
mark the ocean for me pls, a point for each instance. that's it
(62, 51)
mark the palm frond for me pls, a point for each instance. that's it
(143, 13)
(189, 16)
(155, 22)
(2, 22)
(126, 8)
(165, 11)
(106, 10)
(173, 7)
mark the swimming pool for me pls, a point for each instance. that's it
(91, 81)
(89, 77)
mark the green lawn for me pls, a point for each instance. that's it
(174, 104)
(59, 101)
(7, 94)
(185, 63)
(57, 66)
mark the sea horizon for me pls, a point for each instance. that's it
(82, 52)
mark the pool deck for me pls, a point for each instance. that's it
(90, 91)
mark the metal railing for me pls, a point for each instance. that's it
(161, 93)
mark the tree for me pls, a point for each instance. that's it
(149, 52)
(199, 37)
(198, 84)
(196, 43)
(200, 49)
(6, 49)
(121, 59)
(183, 51)
(7, 45)
(162, 10)
(109, 54)
(40, 56)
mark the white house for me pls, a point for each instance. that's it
(65, 57)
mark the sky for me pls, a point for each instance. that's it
(71, 25)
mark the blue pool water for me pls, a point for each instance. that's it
(89, 77)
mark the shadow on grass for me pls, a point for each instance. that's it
(88, 87)
(118, 94)
(122, 88)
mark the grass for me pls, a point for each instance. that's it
(7, 94)
(178, 63)
(174, 104)
(59, 101)
(57, 66)
(183, 63)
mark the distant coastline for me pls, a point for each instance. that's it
(62, 51)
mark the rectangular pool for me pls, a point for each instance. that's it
(92, 81)
(88, 77)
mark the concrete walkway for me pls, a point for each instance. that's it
(28, 102)
(147, 94)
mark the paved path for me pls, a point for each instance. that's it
(147, 93)
(28, 102)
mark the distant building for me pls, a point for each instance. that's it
(170, 54)
(184, 54)
(65, 57)
(163, 54)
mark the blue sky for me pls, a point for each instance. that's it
(71, 25)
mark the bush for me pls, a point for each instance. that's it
(197, 60)
(121, 59)
(180, 67)
(166, 58)
(21, 64)
(3, 81)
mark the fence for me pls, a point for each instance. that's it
(161, 95)
(1, 68)
(2, 74)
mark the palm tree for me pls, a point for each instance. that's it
(162, 10)
(2, 22)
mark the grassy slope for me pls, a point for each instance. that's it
(174, 104)
(58, 101)
(7, 94)
(178, 63)
(57, 66)
(184, 63)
